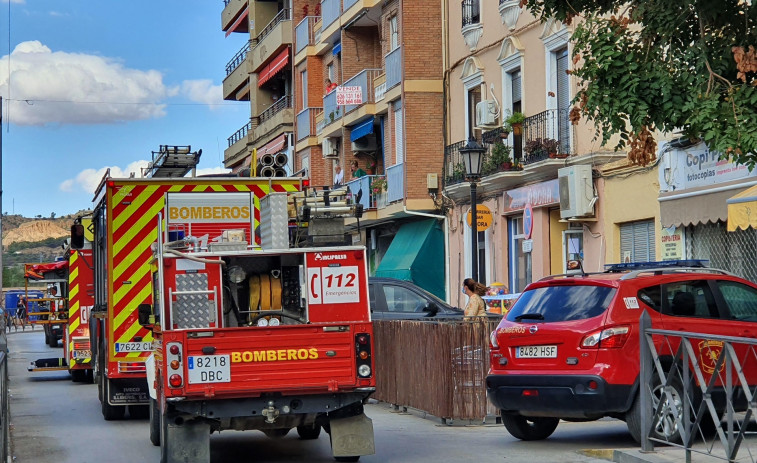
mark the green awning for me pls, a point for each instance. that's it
(417, 255)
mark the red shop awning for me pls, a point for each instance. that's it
(274, 146)
(276, 65)
(242, 17)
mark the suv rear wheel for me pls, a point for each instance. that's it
(529, 428)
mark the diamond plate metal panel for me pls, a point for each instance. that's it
(274, 221)
(193, 310)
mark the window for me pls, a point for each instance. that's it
(563, 99)
(330, 72)
(690, 299)
(573, 249)
(474, 97)
(740, 299)
(562, 303)
(399, 299)
(519, 261)
(394, 33)
(399, 147)
(471, 12)
(516, 96)
(304, 79)
(637, 240)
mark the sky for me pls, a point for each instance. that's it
(101, 84)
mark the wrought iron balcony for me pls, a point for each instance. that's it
(471, 12)
(278, 106)
(550, 127)
(283, 15)
(240, 134)
(238, 58)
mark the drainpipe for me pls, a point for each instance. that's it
(446, 246)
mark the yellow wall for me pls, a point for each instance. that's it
(555, 240)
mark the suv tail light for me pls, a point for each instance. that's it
(608, 338)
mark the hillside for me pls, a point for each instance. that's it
(35, 231)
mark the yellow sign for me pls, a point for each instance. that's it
(484, 217)
(274, 355)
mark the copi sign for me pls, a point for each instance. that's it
(484, 217)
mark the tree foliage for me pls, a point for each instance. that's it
(668, 65)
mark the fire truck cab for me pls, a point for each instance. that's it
(265, 337)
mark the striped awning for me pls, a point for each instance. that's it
(276, 65)
(274, 146)
(242, 17)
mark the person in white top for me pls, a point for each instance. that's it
(338, 175)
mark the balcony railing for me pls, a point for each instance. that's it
(283, 15)
(306, 122)
(552, 124)
(367, 198)
(364, 80)
(454, 166)
(238, 59)
(279, 105)
(330, 11)
(348, 4)
(331, 112)
(395, 183)
(240, 134)
(304, 34)
(471, 12)
(393, 68)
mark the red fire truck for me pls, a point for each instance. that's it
(270, 338)
(125, 224)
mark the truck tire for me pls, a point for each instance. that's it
(276, 433)
(529, 428)
(154, 422)
(110, 412)
(78, 376)
(52, 340)
(309, 432)
(139, 412)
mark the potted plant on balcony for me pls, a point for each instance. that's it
(500, 156)
(551, 146)
(515, 121)
(507, 129)
(535, 149)
(378, 188)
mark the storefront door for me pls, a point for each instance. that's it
(519, 263)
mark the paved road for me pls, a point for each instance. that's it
(57, 421)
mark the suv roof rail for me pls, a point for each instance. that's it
(671, 269)
(626, 266)
(570, 275)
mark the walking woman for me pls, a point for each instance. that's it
(475, 307)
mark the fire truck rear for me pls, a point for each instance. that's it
(265, 338)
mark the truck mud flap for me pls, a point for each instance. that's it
(128, 391)
(185, 440)
(352, 436)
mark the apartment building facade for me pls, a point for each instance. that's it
(334, 82)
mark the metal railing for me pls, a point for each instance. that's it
(331, 112)
(395, 183)
(367, 198)
(688, 380)
(348, 4)
(238, 59)
(453, 364)
(552, 124)
(306, 126)
(330, 11)
(240, 134)
(364, 80)
(279, 105)
(471, 12)
(283, 15)
(304, 34)
(492, 162)
(393, 65)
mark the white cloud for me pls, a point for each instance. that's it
(88, 179)
(202, 91)
(103, 90)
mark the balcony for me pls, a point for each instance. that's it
(275, 35)
(395, 183)
(379, 87)
(232, 9)
(349, 3)
(304, 33)
(552, 124)
(367, 198)
(331, 112)
(237, 80)
(237, 144)
(330, 11)
(471, 25)
(393, 66)
(306, 122)
(278, 114)
(364, 80)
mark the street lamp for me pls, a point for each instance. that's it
(473, 155)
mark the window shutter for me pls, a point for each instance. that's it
(637, 240)
(399, 136)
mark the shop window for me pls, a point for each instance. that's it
(519, 261)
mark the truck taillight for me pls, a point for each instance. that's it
(174, 360)
(363, 357)
(608, 338)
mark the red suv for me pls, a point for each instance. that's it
(569, 347)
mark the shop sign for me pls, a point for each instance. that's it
(484, 215)
(537, 195)
(698, 167)
(671, 243)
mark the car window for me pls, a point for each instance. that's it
(740, 299)
(652, 297)
(690, 299)
(561, 303)
(399, 299)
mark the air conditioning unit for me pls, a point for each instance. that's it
(330, 148)
(576, 191)
(486, 113)
(366, 144)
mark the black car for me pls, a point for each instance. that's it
(392, 299)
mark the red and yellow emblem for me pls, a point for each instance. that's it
(709, 353)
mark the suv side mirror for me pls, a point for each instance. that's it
(431, 308)
(144, 312)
